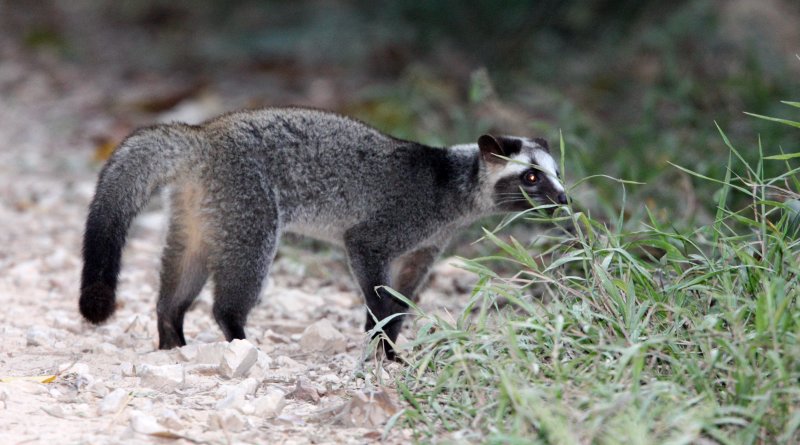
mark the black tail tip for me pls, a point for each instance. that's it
(97, 302)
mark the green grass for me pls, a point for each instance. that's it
(629, 332)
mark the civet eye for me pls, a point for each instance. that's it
(529, 178)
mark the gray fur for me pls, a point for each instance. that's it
(241, 180)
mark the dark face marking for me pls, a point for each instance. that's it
(509, 196)
(542, 143)
(511, 146)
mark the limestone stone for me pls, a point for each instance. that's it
(238, 358)
(113, 402)
(165, 378)
(229, 420)
(322, 336)
(270, 404)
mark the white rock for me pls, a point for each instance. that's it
(33, 388)
(247, 408)
(113, 402)
(25, 274)
(146, 424)
(165, 378)
(74, 368)
(235, 395)
(322, 336)
(56, 411)
(125, 341)
(286, 369)
(210, 352)
(271, 404)
(288, 362)
(238, 358)
(84, 189)
(294, 301)
(82, 410)
(203, 386)
(98, 388)
(159, 357)
(105, 348)
(188, 353)
(64, 320)
(169, 418)
(232, 400)
(329, 379)
(143, 404)
(59, 259)
(39, 336)
(228, 419)
(126, 369)
(110, 330)
(263, 363)
(247, 386)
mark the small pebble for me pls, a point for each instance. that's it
(228, 419)
(146, 424)
(113, 402)
(238, 358)
(165, 378)
(271, 404)
(126, 369)
(322, 336)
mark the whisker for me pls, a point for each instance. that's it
(507, 201)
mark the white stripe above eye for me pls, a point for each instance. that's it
(517, 164)
(548, 165)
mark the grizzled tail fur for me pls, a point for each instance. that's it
(146, 160)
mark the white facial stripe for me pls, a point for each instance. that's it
(548, 165)
(545, 162)
(465, 147)
(556, 183)
(517, 164)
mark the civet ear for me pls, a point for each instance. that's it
(491, 149)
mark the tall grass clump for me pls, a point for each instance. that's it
(627, 332)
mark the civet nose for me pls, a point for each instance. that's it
(562, 198)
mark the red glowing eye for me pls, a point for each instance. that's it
(531, 178)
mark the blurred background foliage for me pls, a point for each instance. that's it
(632, 85)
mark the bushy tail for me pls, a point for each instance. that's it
(146, 160)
